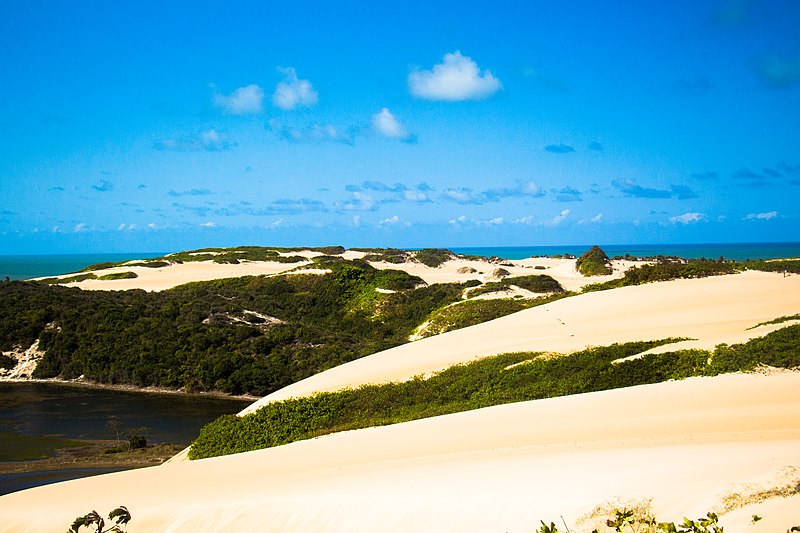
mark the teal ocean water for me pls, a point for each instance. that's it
(734, 251)
(37, 266)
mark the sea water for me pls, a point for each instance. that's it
(18, 267)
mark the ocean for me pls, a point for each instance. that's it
(734, 251)
(18, 267)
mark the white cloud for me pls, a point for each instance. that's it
(457, 78)
(392, 221)
(359, 202)
(387, 125)
(357, 220)
(597, 218)
(80, 227)
(311, 133)
(761, 216)
(208, 224)
(121, 226)
(559, 218)
(416, 196)
(687, 218)
(293, 92)
(209, 141)
(524, 220)
(152, 225)
(243, 101)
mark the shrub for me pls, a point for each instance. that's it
(594, 262)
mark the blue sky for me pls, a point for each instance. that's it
(155, 126)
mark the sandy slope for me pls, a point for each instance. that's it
(712, 310)
(683, 444)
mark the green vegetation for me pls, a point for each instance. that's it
(69, 279)
(118, 275)
(433, 257)
(777, 265)
(214, 335)
(121, 516)
(471, 312)
(779, 320)
(668, 270)
(594, 262)
(7, 362)
(627, 521)
(388, 255)
(491, 381)
(540, 284)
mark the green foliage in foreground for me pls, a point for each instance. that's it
(491, 381)
(7, 362)
(624, 521)
(118, 275)
(212, 335)
(594, 262)
(121, 516)
(471, 312)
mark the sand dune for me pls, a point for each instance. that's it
(711, 310)
(685, 445)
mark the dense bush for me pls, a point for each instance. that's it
(594, 262)
(491, 381)
(776, 265)
(198, 336)
(540, 284)
(118, 275)
(433, 257)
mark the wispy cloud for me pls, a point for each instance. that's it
(81, 227)
(568, 194)
(597, 218)
(631, 188)
(559, 149)
(688, 218)
(243, 101)
(748, 178)
(285, 206)
(104, 186)
(559, 218)
(293, 92)
(190, 192)
(596, 146)
(397, 192)
(358, 201)
(386, 124)
(769, 215)
(465, 195)
(706, 176)
(464, 221)
(56, 188)
(776, 71)
(457, 78)
(311, 133)
(205, 141)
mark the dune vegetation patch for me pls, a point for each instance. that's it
(483, 383)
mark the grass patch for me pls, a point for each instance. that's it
(492, 381)
(69, 279)
(118, 275)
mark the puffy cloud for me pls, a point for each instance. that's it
(762, 216)
(385, 123)
(391, 221)
(243, 101)
(104, 186)
(559, 149)
(688, 218)
(568, 194)
(358, 202)
(559, 218)
(457, 78)
(293, 92)
(205, 141)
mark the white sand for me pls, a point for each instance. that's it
(683, 444)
